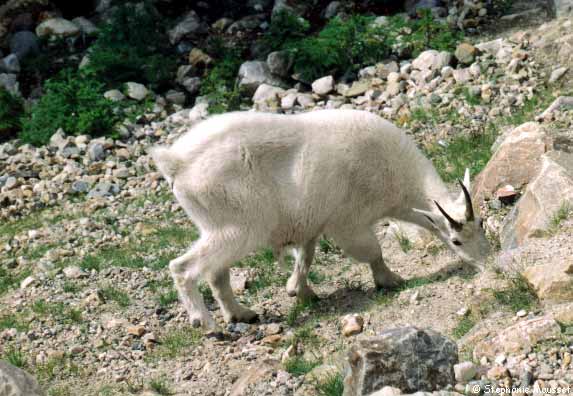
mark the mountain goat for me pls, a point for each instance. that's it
(249, 180)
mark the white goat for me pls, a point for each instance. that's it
(249, 180)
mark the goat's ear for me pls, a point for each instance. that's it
(430, 216)
(461, 198)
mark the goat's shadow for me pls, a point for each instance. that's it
(358, 297)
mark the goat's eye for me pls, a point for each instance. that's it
(456, 242)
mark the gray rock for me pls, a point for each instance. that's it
(114, 95)
(80, 186)
(192, 85)
(323, 86)
(267, 96)
(557, 74)
(407, 358)
(432, 59)
(10, 83)
(136, 91)
(10, 182)
(10, 64)
(548, 191)
(175, 97)
(254, 73)
(17, 382)
(331, 9)
(280, 63)
(23, 44)
(465, 371)
(103, 189)
(96, 151)
(465, 53)
(85, 25)
(191, 25)
(58, 27)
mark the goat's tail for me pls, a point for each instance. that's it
(166, 161)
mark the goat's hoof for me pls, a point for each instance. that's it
(390, 282)
(247, 316)
(196, 323)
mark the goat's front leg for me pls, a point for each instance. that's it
(232, 311)
(297, 284)
(384, 278)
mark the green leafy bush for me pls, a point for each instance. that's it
(131, 47)
(73, 102)
(220, 85)
(11, 109)
(339, 47)
(285, 28)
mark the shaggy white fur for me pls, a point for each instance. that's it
(249, 180)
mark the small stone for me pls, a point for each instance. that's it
(29, 281)
(137, 331)
(500, 359)
(387, 391)
(289, 353)
(57, 27)
(497, 373)
(198, 58)
(506, 194)
(96, 152)
(114, 95)
(274, 339)
(136, 91)
(358, 88)
(149, 340)
(521, 313)
(462, 311)
(352, 324)
(465, 371)
(80, 186)
(273, 328)
(76, 349)
(73, 272)
(240, 328)
(10, 64)
(323, 86)
(557, 74)
(465, 53)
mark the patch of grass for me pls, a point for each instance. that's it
(57, 367)
(469, 97)
(12, 278)
(167, 298)
(62, 390)
(333, 385)
(404, 242)
(562, 214)
(463, 151)
(177, 342)
(111, 293)
(519, 295)
(57, 310)
(15, 357)
(463, 327)
(71, 287)
(267, 274)
(160, 386)
(153, 251)
(298, 365)
(297, 309)
(305, 335)
(206, 292)
(315, 277)
(14, 321)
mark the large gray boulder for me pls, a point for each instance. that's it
(550, 190)
(254, 73)
(17, 382)
(407, 358)
(57, 27)
(23, 44)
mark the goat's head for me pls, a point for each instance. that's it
(459, 227)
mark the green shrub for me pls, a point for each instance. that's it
(73, 102)
(340, 47)
(11, 109)
(220, 85)
(285, 27)
(131, 47)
